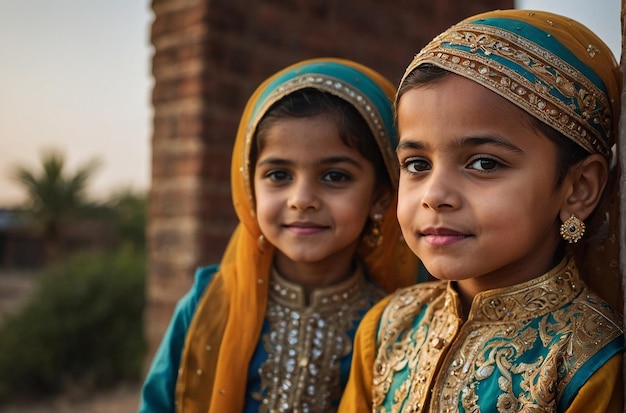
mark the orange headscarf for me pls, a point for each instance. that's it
(226, 327)
(560, 72)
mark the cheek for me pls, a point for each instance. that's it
(406, 204)
(266, 206)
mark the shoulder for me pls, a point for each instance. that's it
(202, 278)
(594, 323)
(186, 306)
(589, 334)
(399, 311)
(412, 299)
(204, 275)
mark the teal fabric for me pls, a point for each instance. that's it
(488, 389)
(157, 394)
(547, 41)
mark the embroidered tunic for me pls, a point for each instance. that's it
(526, 348)
(302, 360)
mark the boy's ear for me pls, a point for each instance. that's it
(586, 183)
(382, 200)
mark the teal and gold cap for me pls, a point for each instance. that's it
(549, 65)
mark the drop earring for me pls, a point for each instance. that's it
(573, 229)
(374, 236)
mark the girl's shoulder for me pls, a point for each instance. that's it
(202, 278)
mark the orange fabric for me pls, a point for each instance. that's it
(228, 321)
(603, 392)
(357, 396)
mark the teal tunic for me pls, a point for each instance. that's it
(529, 347)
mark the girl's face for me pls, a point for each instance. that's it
(313, 194)
(477, 198)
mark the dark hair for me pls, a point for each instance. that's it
(569, 153)
(353, 130)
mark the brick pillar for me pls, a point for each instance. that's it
(181, 159)
(208, 58)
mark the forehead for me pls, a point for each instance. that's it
(459, 100)
(454, 107)
(302, 137)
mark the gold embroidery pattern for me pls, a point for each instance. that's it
(527, 342)
(305, 343)
(582, 113)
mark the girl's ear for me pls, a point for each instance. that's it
(381, 201)
(586, 182)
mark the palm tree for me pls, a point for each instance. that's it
(55, 197)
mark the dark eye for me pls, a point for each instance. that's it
(277, 175)
(484, 164)
(415, 165)
(335, 176)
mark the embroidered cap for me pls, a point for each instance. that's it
(549, 65)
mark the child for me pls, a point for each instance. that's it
(506, 123)
(313, 181)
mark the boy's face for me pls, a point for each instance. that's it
(313, 194)
(477, 198)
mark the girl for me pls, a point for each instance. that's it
(506, 123)
(313, 179)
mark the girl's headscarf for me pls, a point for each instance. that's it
(560, 72)
(227, 324)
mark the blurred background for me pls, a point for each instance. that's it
(116, 124)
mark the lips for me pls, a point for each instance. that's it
(305, 228)
(440, 237)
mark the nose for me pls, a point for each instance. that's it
(303, 195)
(440, 191)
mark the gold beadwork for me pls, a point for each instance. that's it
(308, 336)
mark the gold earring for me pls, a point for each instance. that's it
(573, 229)
(374, 237)
(261, 243)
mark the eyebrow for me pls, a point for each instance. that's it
(331, 160)
(467, 142)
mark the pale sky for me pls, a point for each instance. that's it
(75, 75)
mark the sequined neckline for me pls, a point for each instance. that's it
(530, 299)
(293, 295)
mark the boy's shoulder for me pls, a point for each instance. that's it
(421, 290)
(597, 313)
(412, 299)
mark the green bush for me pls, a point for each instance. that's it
(81, 330)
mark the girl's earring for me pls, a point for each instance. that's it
(261, 243)
(374, 237)
(572, 229)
